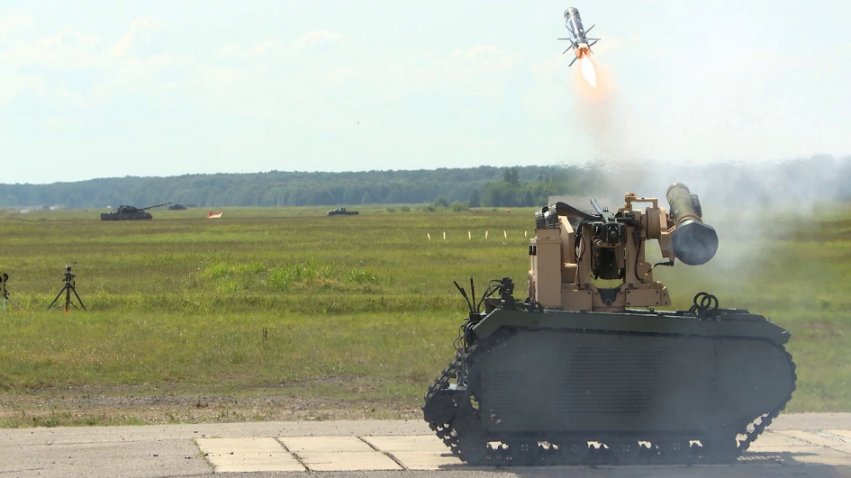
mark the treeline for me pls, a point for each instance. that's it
(819, 177)
(481, 186)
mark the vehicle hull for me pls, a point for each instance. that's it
(650, 380)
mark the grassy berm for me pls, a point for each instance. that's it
(288, 314)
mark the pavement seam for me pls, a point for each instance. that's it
(294, 454)
(827, 434)
(812, 443)
(834, 436)
(204, 455)
(385, 453)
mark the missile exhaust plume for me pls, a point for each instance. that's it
(588, 71)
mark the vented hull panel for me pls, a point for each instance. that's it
(568, 380)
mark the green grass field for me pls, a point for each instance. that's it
(285, 313)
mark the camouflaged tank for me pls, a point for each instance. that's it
(129, 213)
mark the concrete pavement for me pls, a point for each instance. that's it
(795, 445)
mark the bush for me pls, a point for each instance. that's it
(441, 202)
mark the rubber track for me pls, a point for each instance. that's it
(552, 455)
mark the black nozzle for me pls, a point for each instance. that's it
(695, 242)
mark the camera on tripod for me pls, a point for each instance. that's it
(70, 291)
(69, 276)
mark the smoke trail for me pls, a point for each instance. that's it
(602, 115)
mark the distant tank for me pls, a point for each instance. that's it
(587, 371)
(130, 213)
(341, 211)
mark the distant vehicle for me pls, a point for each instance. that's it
(341, 211)
(176, 207)
(130, 213)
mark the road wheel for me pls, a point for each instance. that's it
(625, 452)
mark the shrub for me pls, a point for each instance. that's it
(362, 276)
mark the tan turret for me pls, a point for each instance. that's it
(574, 252)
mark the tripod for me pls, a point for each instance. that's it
(68, 288)
(4, 292)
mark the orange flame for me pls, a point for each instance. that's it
(588, 71)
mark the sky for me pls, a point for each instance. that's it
(93, 89)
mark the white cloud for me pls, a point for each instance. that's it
(269, 46)
(67, 49)
(480, 71)
(12, 85)
(477, 60)
(320, 38)
(140, 31)
(12, 23)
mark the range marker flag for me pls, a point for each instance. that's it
(214, 215)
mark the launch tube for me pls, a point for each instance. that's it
(694, 242)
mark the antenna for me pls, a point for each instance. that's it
(464, 294)
(473, 292)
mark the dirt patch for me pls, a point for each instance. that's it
(126, 405)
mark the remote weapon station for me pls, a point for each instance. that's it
(585, 370)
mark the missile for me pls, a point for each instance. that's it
(577, 35)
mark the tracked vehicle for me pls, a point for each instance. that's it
(586, 369)
(130, 213)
